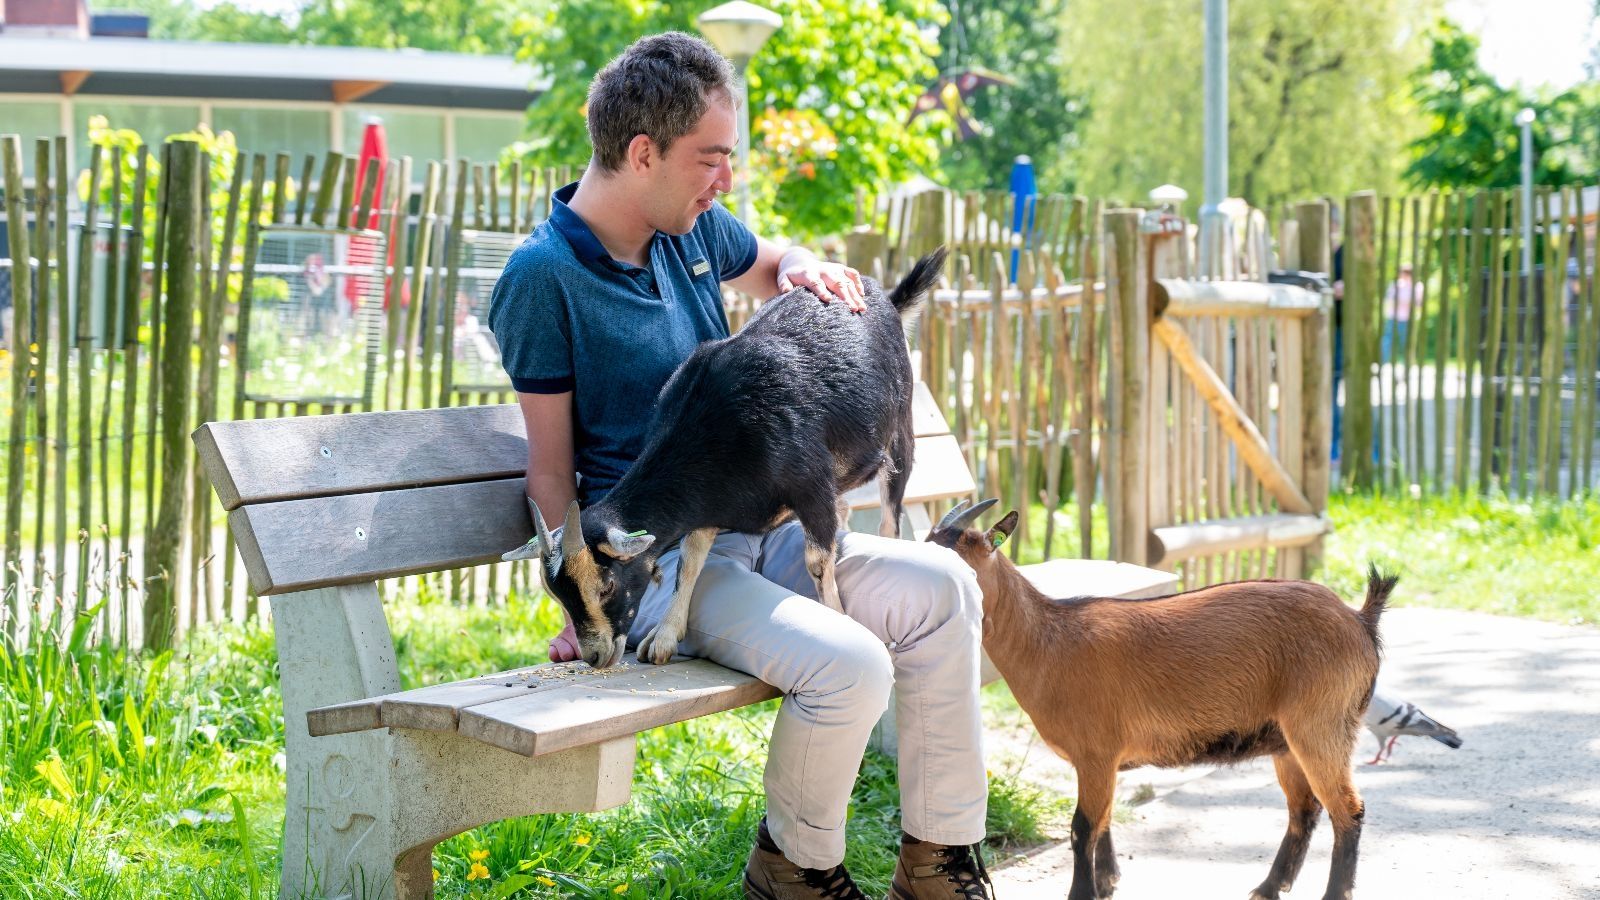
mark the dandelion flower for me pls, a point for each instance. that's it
(546, 881)
(620, 889)
(478, 855)
(581, 840)
(477, 871)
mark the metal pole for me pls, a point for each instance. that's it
(1525, 119)
(742, 176)
(1216, 112)
(1213, 224)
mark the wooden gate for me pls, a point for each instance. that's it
(1220, 408)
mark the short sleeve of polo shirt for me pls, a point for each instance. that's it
(728, 242)
(527, 314)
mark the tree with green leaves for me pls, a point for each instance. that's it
(1473, 139)
(830, 95)
(1317, 101)
(1037, 115)
(454, 26)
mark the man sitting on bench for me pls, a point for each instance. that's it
(593, 313)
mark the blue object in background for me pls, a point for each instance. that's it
(1024, 189)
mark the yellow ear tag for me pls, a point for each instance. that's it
(997, 539)
(639, 533)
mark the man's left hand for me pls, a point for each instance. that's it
(828, 280)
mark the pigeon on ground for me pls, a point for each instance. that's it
(1388, 719)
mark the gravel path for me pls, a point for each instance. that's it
(1513, 813)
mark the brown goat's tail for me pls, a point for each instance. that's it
(1379, 587)
(908, 294)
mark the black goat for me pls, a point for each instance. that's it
(805, 403)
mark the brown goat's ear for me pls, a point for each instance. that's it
(1002, 529)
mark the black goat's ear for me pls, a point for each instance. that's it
(1002, 529)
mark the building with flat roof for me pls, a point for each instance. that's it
(60, 66)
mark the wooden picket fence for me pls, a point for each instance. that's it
(133, 324)
(1030, 345)
(1492, 384)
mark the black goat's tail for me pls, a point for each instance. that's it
(908, 294)
(1379, 587)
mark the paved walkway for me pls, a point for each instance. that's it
(1513, 813)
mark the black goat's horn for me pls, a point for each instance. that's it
(962, 515)
(572, 533)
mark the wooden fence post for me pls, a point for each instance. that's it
(21, 293)
(1360, 308)
(163, 545)
(1316, 374)
(1126, 495)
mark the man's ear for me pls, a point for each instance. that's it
(643, 154)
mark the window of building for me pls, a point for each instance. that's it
(480, 138)
(32, 121)
(419, 135)
(154, 122)
(274, 129)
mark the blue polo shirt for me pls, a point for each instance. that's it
(569, 317)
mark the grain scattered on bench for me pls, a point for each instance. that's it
(557, 706)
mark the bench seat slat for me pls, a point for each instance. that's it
(557, 706)
(437, 707)
(1063, 578)
(579, 714)
(262, 460)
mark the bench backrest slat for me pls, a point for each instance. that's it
(319, 501)
(264, 460)
(297, 545)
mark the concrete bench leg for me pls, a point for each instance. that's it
(333, 646)
(364, 810)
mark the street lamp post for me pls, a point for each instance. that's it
(1525, 120)
(1212, 221)
(737, 30)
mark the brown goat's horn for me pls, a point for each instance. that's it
(962, 516)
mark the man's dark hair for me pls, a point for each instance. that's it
(659, 87)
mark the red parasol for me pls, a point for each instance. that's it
(374, 155)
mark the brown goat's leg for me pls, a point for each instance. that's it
(1304, 811)
(1324, 755)
(1106, 871)
(1097, 784)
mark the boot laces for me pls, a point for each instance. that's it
(965, 869)
(834, 883)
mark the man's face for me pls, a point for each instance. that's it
(687, 179)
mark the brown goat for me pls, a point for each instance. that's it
(1217, 675)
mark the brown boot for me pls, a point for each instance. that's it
(769, 875)
(927, 871)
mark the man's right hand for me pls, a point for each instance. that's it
(564, 647)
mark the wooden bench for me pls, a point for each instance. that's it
(324, 507)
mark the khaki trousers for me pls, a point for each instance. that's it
(913, 622)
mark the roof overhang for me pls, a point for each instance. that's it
(142, 68)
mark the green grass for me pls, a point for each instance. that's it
(160, 776)
(198, 812)
(1523, 558)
